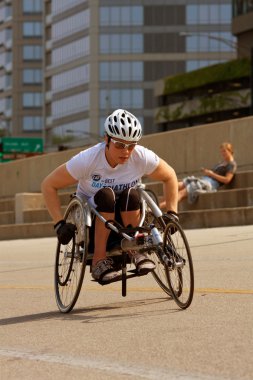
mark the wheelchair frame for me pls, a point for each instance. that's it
(161, 238)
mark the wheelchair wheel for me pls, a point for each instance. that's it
(71, 259)
(179, 267)
(160, 273)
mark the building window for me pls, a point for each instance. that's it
(32, 6)
(32, 123)
(121, 71)
(71, 78)
(8, 81)
(211, 42)
(195, 65)
(71, 105)
(121, 43)
(32, 53)
(71, 51)
(120, 16)
(32, 76)
(121, 98)
(5, 13)
(32, 100)
(208, 14)
(32, 29)
(70, 25)
(59, 6)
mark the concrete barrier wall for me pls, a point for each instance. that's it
(187, 150)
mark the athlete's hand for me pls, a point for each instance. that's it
(65, 231)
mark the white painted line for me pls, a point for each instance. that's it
(103, 365)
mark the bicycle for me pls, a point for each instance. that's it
(160, 237)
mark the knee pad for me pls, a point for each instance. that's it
(104, 200)
(129, 200)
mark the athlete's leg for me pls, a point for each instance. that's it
(104, 200)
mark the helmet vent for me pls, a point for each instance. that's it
(123, 132)
(117, 130)
(122, 121)
(130, 131)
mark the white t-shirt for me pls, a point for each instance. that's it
(93, 172)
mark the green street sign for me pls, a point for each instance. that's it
(21, 144)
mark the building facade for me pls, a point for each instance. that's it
(21, 76)
(98, 56)
(102, 55)
(242, 27)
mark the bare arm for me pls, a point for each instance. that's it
(58, 179)
(223, 179)
(167, 175)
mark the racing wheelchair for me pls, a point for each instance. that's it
(159, 236)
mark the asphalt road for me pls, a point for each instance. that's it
(142, 336)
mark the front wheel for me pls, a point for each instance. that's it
(70, 261)
(179, 266)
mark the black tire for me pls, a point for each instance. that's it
(70, 261)
(179, 267)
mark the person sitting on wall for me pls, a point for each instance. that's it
(221, 174)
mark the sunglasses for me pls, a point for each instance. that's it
(120, 145)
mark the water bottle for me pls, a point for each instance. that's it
(157, 239)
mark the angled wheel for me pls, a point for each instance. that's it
(70, 261)
(160, 273)
(179, 266)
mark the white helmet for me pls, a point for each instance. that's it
(123, 125)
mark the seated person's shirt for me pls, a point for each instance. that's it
(221, 169)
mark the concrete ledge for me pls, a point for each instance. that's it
(37, 216)
(7, 204)
(217, 218)
(220, 199)
(26, 231)
(26, 201)
(7, 217)
(241, 179)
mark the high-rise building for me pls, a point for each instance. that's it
(99, 55)
(102, 55)
(21, 54)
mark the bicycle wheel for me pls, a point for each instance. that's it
(71, 259)
(179, 267)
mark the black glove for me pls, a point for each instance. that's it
(65, 231)
(172, 215)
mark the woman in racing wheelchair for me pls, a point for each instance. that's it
(107, 175)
